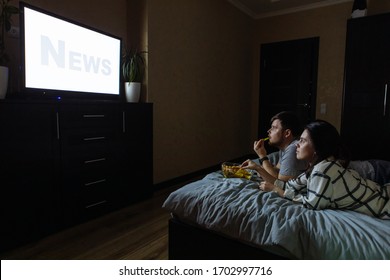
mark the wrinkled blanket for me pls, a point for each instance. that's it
(238, 209)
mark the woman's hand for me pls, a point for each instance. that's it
(266, 186)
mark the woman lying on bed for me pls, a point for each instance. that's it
(327, 183)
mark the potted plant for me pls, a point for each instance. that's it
(6, 12)
(133, 69)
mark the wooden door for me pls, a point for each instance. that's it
(288, 80)
(29, 172)
(136, 153)
(365, 122)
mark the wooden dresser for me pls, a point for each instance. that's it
(65, 162)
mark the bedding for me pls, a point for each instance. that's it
(236, 208)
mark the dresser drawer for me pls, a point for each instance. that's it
(87, 192)
(88, 160)
(87, 138)
(93, 116)
(80, 174)
(95, 191)
(95, 197)
(89, 155)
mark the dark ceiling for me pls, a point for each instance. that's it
(265, 8)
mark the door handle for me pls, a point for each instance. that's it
(304, 105)
(123, 122)
(385, 101)
(58, 125)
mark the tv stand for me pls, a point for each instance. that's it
(63, 163)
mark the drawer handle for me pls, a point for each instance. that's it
(94, 138)
(95, 204)
(94, 160)
(94, 182)
(94, 116)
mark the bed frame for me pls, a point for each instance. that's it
(188, 242)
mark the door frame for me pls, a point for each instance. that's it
(314, 46)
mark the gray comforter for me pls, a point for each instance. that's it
(236, 208)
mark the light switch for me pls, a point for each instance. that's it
(323, 108)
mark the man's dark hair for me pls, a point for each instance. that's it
(289, 120)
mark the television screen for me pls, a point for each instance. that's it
(67, 58)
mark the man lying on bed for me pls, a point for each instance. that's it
(328, 183)
(283, 134)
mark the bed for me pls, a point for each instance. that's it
(230, 218)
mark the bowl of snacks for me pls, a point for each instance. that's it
(234, 170)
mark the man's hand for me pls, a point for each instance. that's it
(258, 147)
(250, 164)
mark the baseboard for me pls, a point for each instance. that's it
(197, 173)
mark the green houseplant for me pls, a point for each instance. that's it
(133, 70)
(6, 13)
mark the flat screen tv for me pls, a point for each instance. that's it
(62, 58)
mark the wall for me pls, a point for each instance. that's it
(109, 16)
(328, 23)
(199, 81)
(137, 35)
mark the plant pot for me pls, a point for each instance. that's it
(132, 91)
(3, 81)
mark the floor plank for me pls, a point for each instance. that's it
(139, 231)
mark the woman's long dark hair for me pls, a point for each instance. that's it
(327, 143)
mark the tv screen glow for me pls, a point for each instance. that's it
(62, 56)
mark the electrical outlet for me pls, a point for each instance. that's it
(14, 32)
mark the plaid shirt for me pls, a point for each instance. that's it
(332, 186)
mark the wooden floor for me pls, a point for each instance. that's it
(137, 232)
